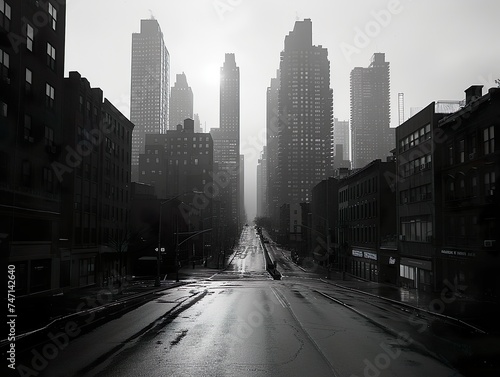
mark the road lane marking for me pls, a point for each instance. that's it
(280, 300)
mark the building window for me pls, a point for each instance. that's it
(29, 81)
(26, 173)
(461, 150)
(5, 15)
(53, 15)
(49, 136)
(4, 64)
(27, 128)
(489, 183)
(51, 56)
(48, 179)
(49, 95)
(30, 35)
(416, 229)
(489, 140)
(3, 109)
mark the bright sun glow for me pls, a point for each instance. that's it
(211, 74)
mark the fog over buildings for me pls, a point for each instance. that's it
(435, 63)
(163, 162)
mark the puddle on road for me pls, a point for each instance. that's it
(179, 338)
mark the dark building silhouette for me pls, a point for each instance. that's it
(305, 116)
(367, 222)
(226, 140)
(341, 144)
(150, 87)
(178, 161)
(95, 193)
(242, 212)
(181, 102)
(262, 207)
(322, 222)
(372, 137)
(31, 103)
(468, 258)
(419, 195)
(272, 127)
(180, 164)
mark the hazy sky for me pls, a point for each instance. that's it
(436, 50)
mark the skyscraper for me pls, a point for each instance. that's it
(181, 102)
(262, 207)
(227, 139)
(150, 86)
(272, 125)
(178, 161)
(341, 146)
(305, 116)
(372, 137)
(31, 140)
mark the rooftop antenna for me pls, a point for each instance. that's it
(152, 17)
(401, 107)
(297, 18)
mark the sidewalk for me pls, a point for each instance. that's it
(481, 314)
(35, 312)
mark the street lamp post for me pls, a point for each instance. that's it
(328, 246)
(158, 255)
(178, 244)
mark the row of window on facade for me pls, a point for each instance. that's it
(415, 138)
(359, 211)
(467, 185)
(416, 194)
(31, 135)
(88, 235)
(367, 186)
(90, 205)
(360, 234)
(416, 229)
(47, 181)
(458, 152)
(39, 17)
(416, 165)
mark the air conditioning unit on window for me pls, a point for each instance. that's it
(489, 243)
(402, 237)
(472, 156)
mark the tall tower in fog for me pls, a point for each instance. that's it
(305, 109)
(227, 140)
(181, 102)
(342, 145)
(272, 127)
(149, 96)
(372, 137)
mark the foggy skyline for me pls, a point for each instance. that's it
(436, 50)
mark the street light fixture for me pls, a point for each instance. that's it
(178, 244)
(158, 255)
